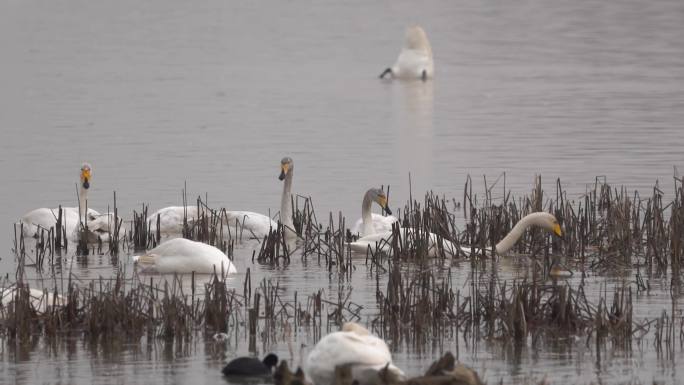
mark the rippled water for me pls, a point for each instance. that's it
(158, 93)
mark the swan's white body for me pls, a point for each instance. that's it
(40, 301)
(376, 224)
(180, 255)
(247, 224)
(240, 224)
(365, 354)
(99, 225)
(381, 241)
(415, 58)
(171, 219)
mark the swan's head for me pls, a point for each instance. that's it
(416, 39)
(86, 172)
(380, 198)
(548, 222)
(355, 328)
(286, 167)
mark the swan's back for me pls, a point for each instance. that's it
(171, 219)
(364, 353)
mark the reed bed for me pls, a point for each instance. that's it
(419, 303)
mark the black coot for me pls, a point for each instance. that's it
(248, 366)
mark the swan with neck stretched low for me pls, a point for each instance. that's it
(180, 255)
(99, 225)
(544, 220)
(171, 219)
(415, 59)
(371, 223)
(353, 346)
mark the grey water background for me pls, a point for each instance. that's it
(214, 93)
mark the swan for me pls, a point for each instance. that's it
(544, 220)
(99, 225)
(40, 301)
(371, 223)
(180, 255)
(246, 223)
(249, 366)
(415, 59)
(354, 346)
(259, 225)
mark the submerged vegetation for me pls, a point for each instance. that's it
(419, 303)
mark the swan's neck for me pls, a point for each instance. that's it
(82, 202)
(509, 240)
(366, 216)
(286, 203)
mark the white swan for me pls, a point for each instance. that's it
(541, 219)
(246, 224)
(371, 223)
(40, 301)
(365, 354)
(99, 225)
(415, 59)
(180, 255)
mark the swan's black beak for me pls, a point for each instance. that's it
(387, 210)
(385, 72)
(86, 184)
(284, 168)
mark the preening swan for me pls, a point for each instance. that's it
(180, 255)
(544, 220)
(354, 346)
(415, 59)
(371, 223)
(99, 225)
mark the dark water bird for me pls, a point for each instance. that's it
(249, 366)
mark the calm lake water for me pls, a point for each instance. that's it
(158, 93)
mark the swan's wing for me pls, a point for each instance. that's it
(383, 224)
(251, 224)
(171, 218)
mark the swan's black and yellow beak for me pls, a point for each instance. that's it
(382, 201)
(284, 169)
(85, 178)
(557, 230)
